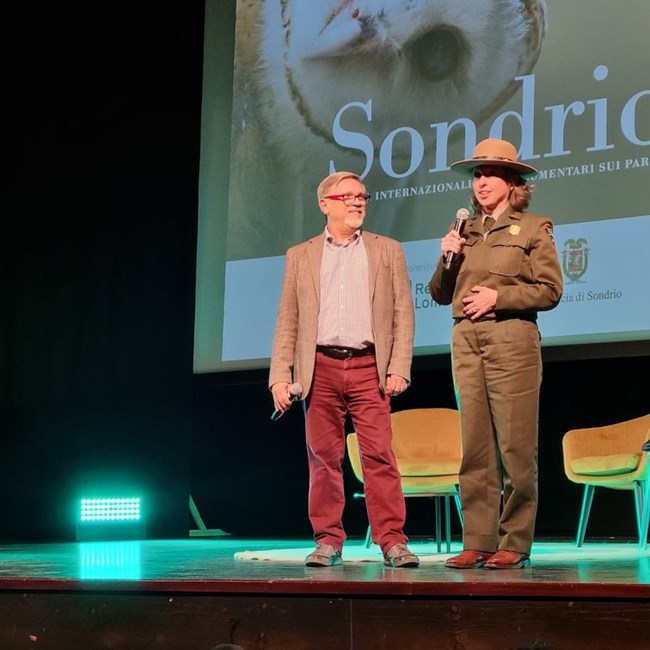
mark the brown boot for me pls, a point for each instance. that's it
(505, 559)
(469, 559)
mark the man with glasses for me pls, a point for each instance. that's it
(344, 334)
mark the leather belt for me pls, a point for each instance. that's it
(529, 317)
(341, 353)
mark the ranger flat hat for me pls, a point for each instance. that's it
(494, 152)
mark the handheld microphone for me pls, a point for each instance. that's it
(293, 393)
(461, 216)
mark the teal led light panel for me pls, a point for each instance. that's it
(110, 509)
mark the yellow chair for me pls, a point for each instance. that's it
(613, 457)
(427, 445)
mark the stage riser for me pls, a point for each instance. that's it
(116, 621)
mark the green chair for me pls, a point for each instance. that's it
(612, 457)
(427, 446)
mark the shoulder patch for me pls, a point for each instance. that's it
(549, 230)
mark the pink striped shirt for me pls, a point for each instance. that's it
(344, 318)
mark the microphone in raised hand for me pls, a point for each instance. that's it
(461, 216)
(293, 393)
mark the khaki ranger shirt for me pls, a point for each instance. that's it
(517, 257)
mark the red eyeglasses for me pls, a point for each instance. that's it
(349, 198)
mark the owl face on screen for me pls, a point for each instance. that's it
(419, 61)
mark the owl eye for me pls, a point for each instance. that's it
(437, 54)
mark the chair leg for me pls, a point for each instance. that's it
(587, 500)
(448, 524)
(368, 541)
(645, 515)
(444, 501)
(459, 509)
(438, 524)
(641, 511)
(645, 504)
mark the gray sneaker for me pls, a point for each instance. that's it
(324, 555)
(400, 557)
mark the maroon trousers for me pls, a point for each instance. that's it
(341, 387)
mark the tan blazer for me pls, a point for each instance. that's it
(393, 314)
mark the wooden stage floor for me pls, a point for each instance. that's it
(197, 593)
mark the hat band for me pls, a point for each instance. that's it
(494, 158)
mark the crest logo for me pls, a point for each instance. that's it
(575, 258)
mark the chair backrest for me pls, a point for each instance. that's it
(427, 446)
(608, 455)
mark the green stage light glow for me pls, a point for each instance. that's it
(114, 560)
(110, 518)
(111, 509)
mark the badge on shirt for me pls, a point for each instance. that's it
(514, 229)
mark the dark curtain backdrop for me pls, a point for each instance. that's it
(100, 252)
(99, 239)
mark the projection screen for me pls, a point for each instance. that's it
(395, 91)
